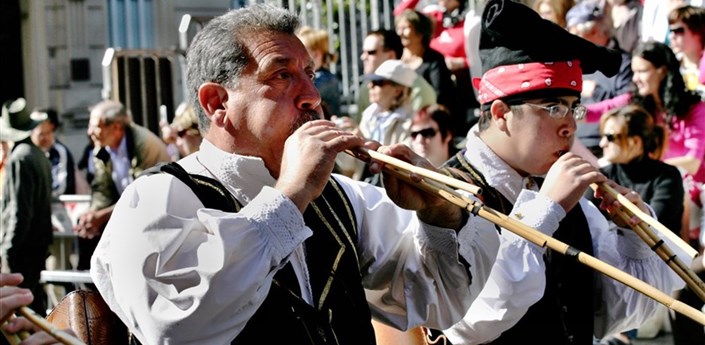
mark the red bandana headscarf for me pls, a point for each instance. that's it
(509, 80)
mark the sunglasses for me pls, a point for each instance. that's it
(192, 130)
(611, 137)
(427, 133)
(370, 52)
(679, 30)
(381, 83)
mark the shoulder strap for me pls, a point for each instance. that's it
(458, 167)
(210, 191)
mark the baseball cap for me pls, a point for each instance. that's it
(393, 70)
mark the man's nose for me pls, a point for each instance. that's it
(308, 98)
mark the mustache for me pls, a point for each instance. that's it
(306, 116)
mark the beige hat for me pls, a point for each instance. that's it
(185, 117)
(393, 70)
(16, 124)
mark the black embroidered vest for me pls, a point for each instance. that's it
(565, 313)
(340, 314)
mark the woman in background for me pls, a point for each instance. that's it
(432, 134)
(553, 10)
(659, 88)
(632, 144)
(328, 85)
(416, 31)
(448, 38)
(687, 39)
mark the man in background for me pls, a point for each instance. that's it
(25, 203)
(378, 47)
(122, 150)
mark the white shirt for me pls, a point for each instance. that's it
(517, 280)
(121, 165)
(176, 272)
(376, 124)
(59, 172)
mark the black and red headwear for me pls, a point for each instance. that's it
(524, 56)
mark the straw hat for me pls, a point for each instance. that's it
(16, 124)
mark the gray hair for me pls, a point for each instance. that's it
(218, 53)
(112, 112)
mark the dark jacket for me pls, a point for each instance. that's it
(659, 184)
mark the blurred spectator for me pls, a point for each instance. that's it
(388, 117)
(122, 150)
(25, 205)
(182, 133)
(687, 39)
(188, 136)
(328, 85)
(85, 164)
(659, 88)
(448, 39)
(626, 21)
(632, 143)
(416, 30)
(587, 20)
(432, 135)
(554, 10)
(380, 46)
(389, 112)
(65, 177)
(654, 19)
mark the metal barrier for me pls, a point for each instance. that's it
(149, 82)
(143, 80)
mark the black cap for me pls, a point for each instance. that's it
(513, 33)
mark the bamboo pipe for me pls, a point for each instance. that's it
(654, 242)
(365, 154)
(666, 254)
(15, 339)
(536, 237)
(663, 230)
(43, 324)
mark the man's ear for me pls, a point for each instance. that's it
(499, 109)
(213, 98)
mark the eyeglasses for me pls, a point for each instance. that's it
(559, 111)
(427, 133)
(678, 30)
(370, 52)
(611, 137)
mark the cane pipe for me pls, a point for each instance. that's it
(635, 210)
(666, 254)
(365, 154)
(534, 236)
(15, 338)
(46, 326)
(643, 230)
